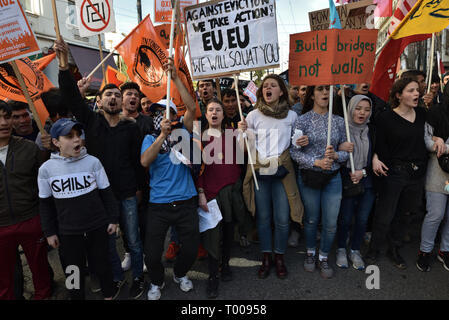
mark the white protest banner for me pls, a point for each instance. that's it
(162, 9)
(95, 17)
(230, 36)
(17, 40)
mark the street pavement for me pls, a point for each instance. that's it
(347, 284)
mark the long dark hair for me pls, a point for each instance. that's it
(308, 101)
(281, 83)
(398, 87)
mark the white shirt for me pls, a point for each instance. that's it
(3, 154)
(273, 136)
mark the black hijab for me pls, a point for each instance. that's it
(438, 116)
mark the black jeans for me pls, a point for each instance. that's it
(399, 194)
(183, 216)
(95, 245)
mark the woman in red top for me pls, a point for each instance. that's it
(220, 180)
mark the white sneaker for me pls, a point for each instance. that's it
(126, 263)
(184, 283)
(154, 293)
(342, 260)
(357, 261)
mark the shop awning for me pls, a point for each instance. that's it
(87, 59)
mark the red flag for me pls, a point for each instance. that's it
(145, 55)
(184, 75)
(35, 80)
(383, 8)
(385, 69)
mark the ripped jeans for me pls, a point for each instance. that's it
(324, 203)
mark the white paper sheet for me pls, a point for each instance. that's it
(209, 220)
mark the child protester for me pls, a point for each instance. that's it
(78, 209)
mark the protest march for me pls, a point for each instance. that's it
(194, 136)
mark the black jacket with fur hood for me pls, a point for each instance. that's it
(118, 148)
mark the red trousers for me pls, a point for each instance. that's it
(29, 235)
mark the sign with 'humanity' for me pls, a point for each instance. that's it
(17, 40)
(95, 17)
(333, 56)
(229, 36)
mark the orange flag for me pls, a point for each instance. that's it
(145, 55)
(184, 75)
(43, 62)
(35, 80)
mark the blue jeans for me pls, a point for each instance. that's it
(326, 202)
(271, 200)
(129, 221)
(114, 260)
(360, 206)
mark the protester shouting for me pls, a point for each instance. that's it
(173, 197)
(115, 140)
(319, 179)
(401, 158)
(269, 129)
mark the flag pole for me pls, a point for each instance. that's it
(26, 93)
(250, 158)
(101, 63)
(348, 136)
(170, 55)
(432, 52)
(62, 61)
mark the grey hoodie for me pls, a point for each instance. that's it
(75, 195)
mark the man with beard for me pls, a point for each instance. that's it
(115, 140)
(297, 95)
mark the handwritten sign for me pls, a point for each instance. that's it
(17, 40)
(229, 36)
(332, 57)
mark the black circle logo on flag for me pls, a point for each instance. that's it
(148, 66)
(30, 74)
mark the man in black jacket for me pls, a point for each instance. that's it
(115, 140)
(19, 210)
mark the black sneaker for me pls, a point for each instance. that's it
(117, 287)
(443, 257)
(226, 273)
(137, 288)
(395, 257)
(423, 261)
(212, 287)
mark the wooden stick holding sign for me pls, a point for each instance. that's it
(27, 96)
(348, 137)
(100, 47)
(101, 63)
(250, 159)
(218, 87)
(170, 55)
(329, 121)
(62, 62)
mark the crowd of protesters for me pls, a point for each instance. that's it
(276, 173)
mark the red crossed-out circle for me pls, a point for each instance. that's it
(106, 23)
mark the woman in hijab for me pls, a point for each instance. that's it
(358, 194)
(437, 143)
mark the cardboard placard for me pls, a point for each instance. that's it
(332, 57)
(17, 40)
(95, 17)
(163, 11)
(353, 15)
(230, 36)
